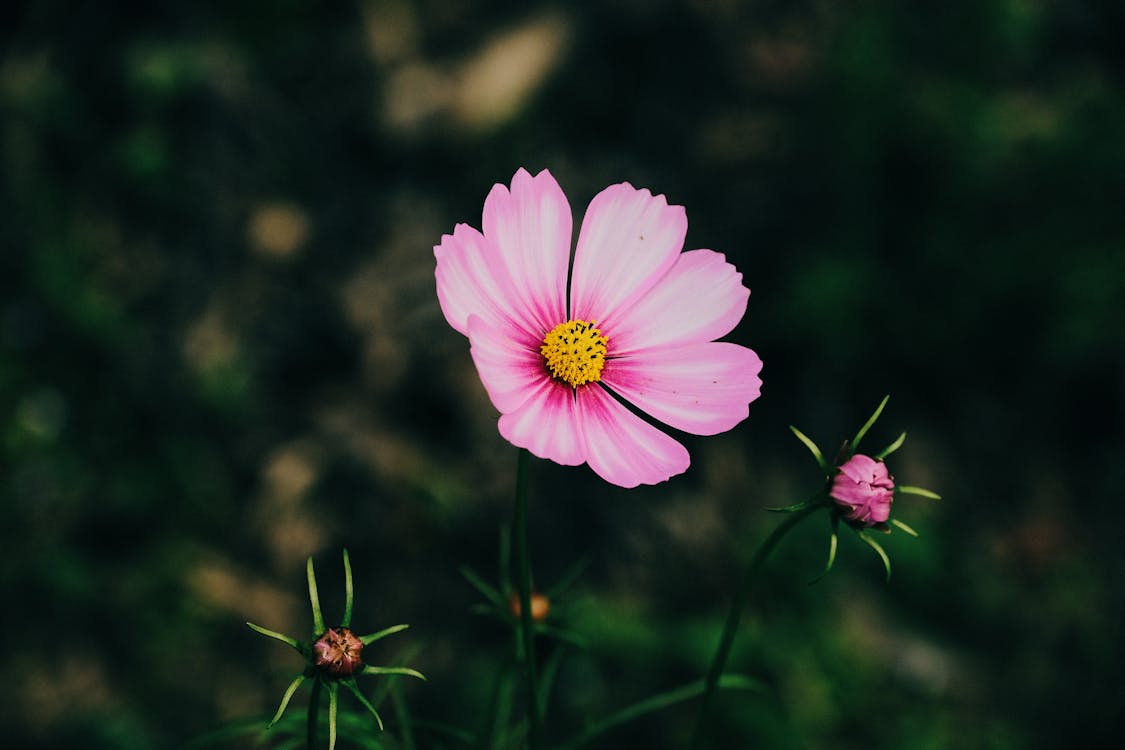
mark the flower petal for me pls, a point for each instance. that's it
(621, 447)
(703, 389)
(701, 298)
(471, 282)
(531, 227)
(547, 424)
(507, 361)
(629, 239)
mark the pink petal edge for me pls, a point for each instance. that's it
(701, 298)
(470, 282)
(622, 448)
(703, 388)
(531, 227)
(547, 424)
(510, 368)
(629, 239)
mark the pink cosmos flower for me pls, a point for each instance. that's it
(864, 490)
(638, 325)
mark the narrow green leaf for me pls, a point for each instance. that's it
(878, 550)
(813, 449)
(354, 687)
(867, 425)
(486, 590)
(314, 598)
(296, 683)
(657, 702)
(833, 541)
(369, 639)
(891, 448)
(333, 704)
(904, 527)
(908, 490)
(395, 670)
(348, 591)
(278, 636)
(568, 578)
(563, 634)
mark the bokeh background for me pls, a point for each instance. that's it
(221, 352)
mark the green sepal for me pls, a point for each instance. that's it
(867, 425)
(817, 499)
(348, 591)
(333, 705)
(351, 685)
(562, 634)
(314, 599)
(486, 590)
(277, 636)
(369, 639)
(833, 542)
(882, 553)
(904, 489)
(395, 670)
(568, 578)
(890, 448)
(296, 683)
(813, 449)
(900, 525)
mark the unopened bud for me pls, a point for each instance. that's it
(540, 606)
(338, 653)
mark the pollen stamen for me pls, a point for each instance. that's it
(574, 352)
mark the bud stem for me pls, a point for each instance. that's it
(742, 596)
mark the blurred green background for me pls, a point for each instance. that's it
(221, 352)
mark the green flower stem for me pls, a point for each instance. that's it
(655, 703)
(742, 596)
(524, 586)
(314, 710)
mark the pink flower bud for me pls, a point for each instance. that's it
(338, 653)
(864, 490)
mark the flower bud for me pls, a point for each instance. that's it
(863, 489)
(540, 606)
(338, 653)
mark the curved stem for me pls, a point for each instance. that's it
(524, 586)
(742, 596)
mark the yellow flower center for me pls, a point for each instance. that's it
(574, 352)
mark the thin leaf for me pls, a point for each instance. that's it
(314, 598)
(395, 670)
(867, 425)
(568, 578)
(908, 490)
(348, 591)
(351, 685)
(486, 590)
(296, 683)
(816, 499)
(333, 704)
(547, 678)
(813, 449)
(904, 527)
(878, 550)
(563, 634)
(833, 541)
(369, 639)
(657, 702)
(278, 636)
(891, 448)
